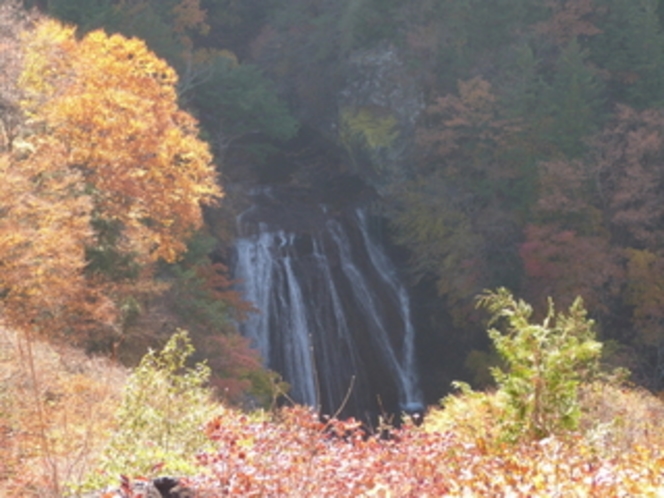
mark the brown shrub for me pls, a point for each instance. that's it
(56, 412)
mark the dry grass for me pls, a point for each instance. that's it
(618, 419)
(54, 419)
(615, 419)
(471, 416)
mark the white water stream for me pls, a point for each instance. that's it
(331, 314)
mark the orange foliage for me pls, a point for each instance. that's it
(628, 158)
(466, 131)
(113, 106)
(44, 228)
(78, 397)
(103, 141)
(569, 20)
(597, 229)
(470, 114)
(454, 216)
(569, 252)
(189, 15)
(301, 456)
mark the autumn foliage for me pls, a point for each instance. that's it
(113, 106)
(539, 162)
(547, 429)
(41, 450)
(106, 163)
(301, 456)
(104, 182)
(43, 233)
(612, 449)
(539, 167)
(104, 179)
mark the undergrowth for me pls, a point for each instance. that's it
(79, 396)
(164, 407)
(164, 421)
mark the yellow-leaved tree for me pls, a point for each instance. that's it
(44, 228)
(113, 104)
(113, 167)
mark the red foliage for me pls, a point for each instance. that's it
(564, 264)
(234, 362)
(220, 287)
(628, 160)
(301, 456)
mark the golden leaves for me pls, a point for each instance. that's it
(118, 118)
(189, 15)
(47, 66)
(43, 232)
(106, 142)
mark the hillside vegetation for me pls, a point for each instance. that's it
(514, 143)
(57, 409)
(105, 178)
(535, 164)
(77, 424)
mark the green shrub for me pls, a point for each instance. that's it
(544, 364)
(161, 418)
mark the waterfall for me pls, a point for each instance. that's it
(331, 315)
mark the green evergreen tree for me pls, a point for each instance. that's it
(479, 34)
(631, 47)
(521, 88)
(237, 105)
(521, 83)
(149, 21)
(234, 24)
(574, 101)
(544, 364)
(87, 14)
(367, 22)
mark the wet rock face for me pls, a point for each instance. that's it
(333, 317)
(379, 77)
(379, 105)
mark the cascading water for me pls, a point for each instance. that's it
(331, 314)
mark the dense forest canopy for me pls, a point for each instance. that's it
(522, 145)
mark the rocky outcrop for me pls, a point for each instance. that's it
(379, 105)
(161, 487)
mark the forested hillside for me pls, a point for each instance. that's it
(513, 143)
(534, 160)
